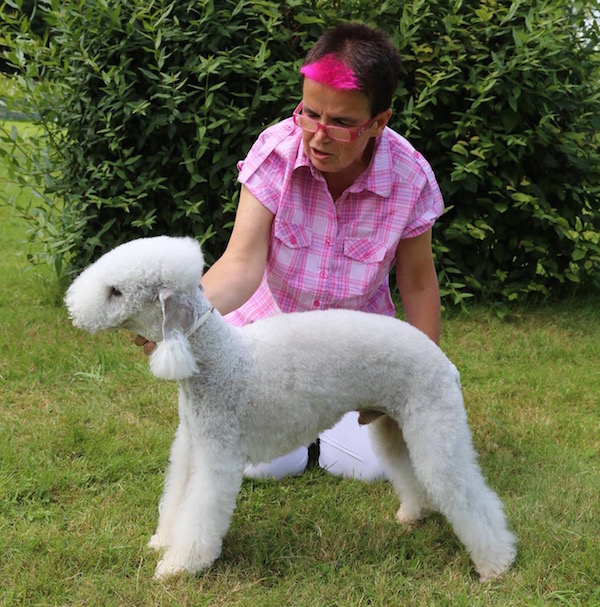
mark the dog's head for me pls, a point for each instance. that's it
(149, 286)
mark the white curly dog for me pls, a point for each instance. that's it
(252, 394)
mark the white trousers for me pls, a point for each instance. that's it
(345, 451)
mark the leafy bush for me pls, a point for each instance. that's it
(503, 98)
(147, 107)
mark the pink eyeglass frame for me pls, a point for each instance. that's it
(354, 132)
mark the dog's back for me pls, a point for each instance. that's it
(312, 367)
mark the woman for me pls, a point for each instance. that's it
(331, 200)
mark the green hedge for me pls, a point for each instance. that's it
(504, 99)
(145, 108)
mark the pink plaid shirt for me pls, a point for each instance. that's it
(326, 254)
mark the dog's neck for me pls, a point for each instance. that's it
(213, 337)
(201, 320)
(210, 328)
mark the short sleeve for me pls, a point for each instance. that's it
(264, 168)
(429, 204)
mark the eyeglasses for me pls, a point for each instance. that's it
(337, 133)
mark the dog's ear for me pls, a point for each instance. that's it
(179, 312)
(173, 357)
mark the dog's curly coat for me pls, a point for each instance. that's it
(254, 393)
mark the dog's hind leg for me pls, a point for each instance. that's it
(204, 515)
(445, 462)
(177, 477)
(391, 450)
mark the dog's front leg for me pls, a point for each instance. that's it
(178, 474)
(204, 515)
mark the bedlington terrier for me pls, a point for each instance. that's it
(251, 394)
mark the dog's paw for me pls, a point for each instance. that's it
(490, 569)
(486, 578)
(157, 543)
(487, 574)
(173, 563)
(497, 558)
(167, 568)
(408, 516)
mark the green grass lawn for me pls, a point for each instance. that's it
(84, 438)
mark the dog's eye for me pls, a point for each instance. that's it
(114, 292)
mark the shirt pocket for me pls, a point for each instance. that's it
(366, 268)
(289, 255)
(365, 250)
(293, 235)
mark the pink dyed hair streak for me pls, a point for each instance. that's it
(331, 71)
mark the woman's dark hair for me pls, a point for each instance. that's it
(371, 55)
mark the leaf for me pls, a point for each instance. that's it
(460, 149)
(484, 14)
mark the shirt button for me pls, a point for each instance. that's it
(328, 242)
(293, 240)
(323, 274)
(316, 303)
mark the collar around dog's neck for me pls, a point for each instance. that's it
(201, 320)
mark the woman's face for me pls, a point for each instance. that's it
(341, 162)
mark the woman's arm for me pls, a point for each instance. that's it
(417, 282)
(235, 276)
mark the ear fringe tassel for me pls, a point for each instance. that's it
(173, 358)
